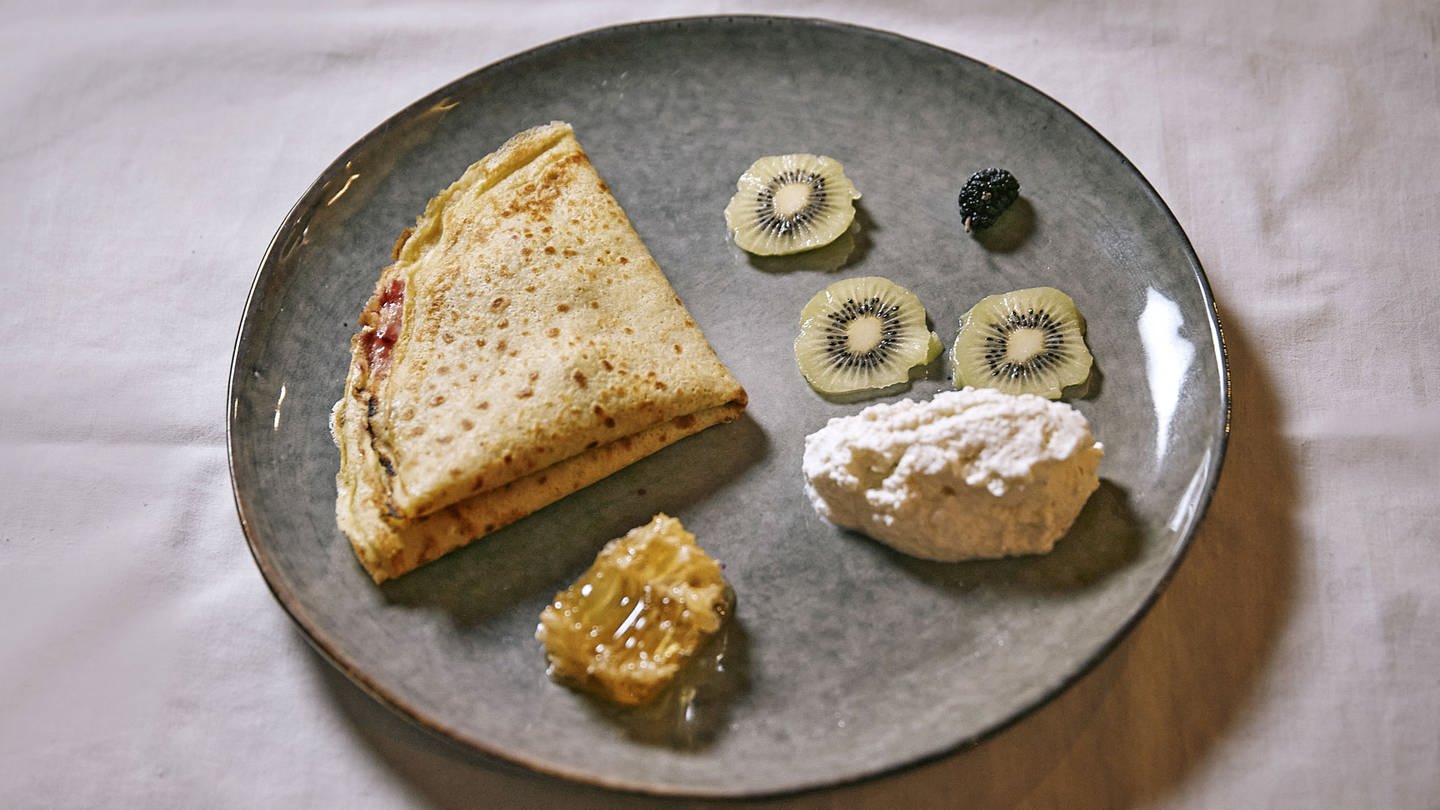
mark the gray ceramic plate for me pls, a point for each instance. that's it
(847, 659)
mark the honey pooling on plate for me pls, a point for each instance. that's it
(627, 626)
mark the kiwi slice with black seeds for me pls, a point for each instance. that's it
(863, 334)
(791, 203)
(1029, 341)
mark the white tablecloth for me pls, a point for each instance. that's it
(149, 150)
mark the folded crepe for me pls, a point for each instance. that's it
(522, 345)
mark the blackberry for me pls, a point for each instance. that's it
(985, 197)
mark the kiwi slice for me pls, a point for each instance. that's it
(861, 334)
(1029, 341)
(789, 203)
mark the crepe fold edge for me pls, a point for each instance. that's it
(387, 551)
(389, 543)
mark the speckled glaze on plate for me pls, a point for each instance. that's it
(846, 660)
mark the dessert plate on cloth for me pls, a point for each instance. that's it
(845, 659)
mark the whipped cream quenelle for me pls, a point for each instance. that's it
(968, 474)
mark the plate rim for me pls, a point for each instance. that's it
(436, 727)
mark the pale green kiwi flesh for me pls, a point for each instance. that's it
(863, 334)
(1029, 341)
(786, 204)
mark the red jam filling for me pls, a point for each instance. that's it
(381, 339)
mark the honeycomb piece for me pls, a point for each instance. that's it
(627, 626)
